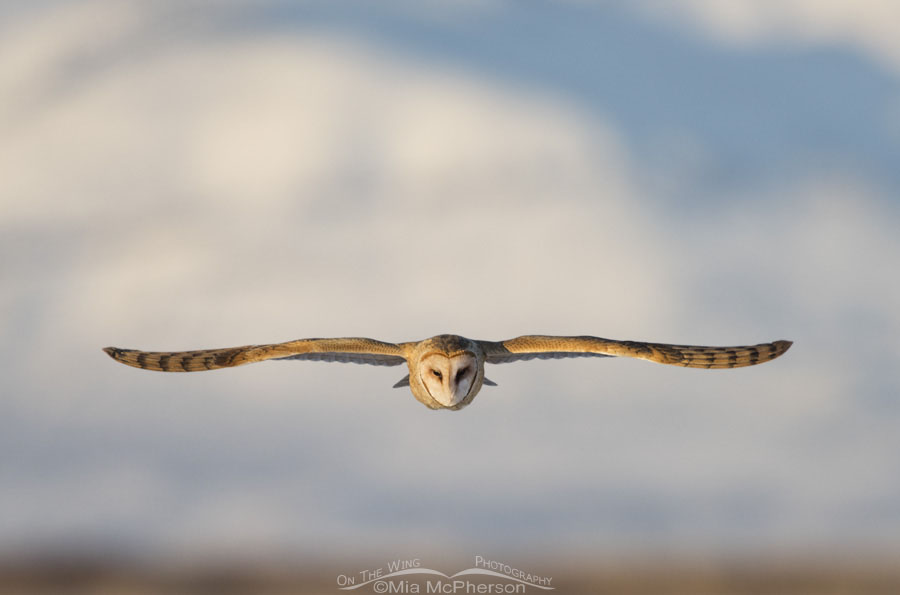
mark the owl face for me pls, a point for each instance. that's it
(446, 372)
(448, 380)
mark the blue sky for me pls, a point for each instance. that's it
(765, 111)
(181, 176)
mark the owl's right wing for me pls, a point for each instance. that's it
(691, 356)
(353, 350)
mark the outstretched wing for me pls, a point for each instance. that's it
(691, 356)
(353, 350)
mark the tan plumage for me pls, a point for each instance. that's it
(689, 356)
(357, 350)
(447, 371)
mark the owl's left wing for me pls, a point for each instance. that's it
(352, 350)
(691, 356)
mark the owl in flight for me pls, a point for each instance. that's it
(447, 371)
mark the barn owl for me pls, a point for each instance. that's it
(447, 371)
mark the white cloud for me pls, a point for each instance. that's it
(873, 26)
(177, 166)
(45, 47)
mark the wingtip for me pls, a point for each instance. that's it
(118, 354)
(781, 346)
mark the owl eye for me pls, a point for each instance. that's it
(437, 374)
(460, 374)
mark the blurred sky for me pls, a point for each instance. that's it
(179, 175)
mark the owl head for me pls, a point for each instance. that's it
(446, 371)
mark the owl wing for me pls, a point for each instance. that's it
(353, 350)
(691, 356)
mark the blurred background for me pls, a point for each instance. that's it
(180, 175)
